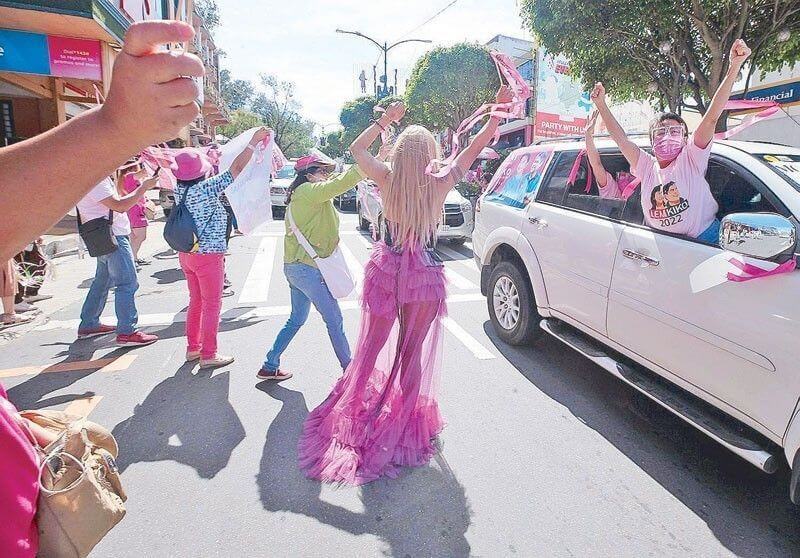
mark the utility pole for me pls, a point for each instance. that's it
(385, 48)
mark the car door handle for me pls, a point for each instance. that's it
(538, 221)
(631, 255)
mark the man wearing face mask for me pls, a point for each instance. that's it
(679, 160)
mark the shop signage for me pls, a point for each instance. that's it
(50, 55)
(784, 93)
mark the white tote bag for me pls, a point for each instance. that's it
(333, 268)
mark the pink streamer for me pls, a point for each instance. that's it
(750, 271)
(573, 173)
(770, 108)
(521, 92)
(630, 188)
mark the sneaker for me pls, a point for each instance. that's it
(102, 329)
(23, 307)
(217, 361)
(137, 338)
(277, 375)
(191, 356)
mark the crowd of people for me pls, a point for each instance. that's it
(382, 413)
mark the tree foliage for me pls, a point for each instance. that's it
(334, 147)
(357, 114)
(664, 50)
(236, 93)
(448, 83)
(209, 11)
(241, 120)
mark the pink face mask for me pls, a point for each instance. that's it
(667, 148)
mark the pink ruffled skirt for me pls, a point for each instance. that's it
(382, 413)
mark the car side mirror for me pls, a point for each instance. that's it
(759, 235)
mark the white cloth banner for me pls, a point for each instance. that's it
(249, 193)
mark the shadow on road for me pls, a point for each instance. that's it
(747, 510)
(168, 276)
(187, 418)
(31, 394)
(424, 512)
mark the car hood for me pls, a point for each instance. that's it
(454, 197)
(283, 182)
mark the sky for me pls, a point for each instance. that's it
(295, 40)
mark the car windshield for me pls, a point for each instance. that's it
(286, 172)
(788, 166)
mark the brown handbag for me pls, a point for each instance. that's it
(80, 494)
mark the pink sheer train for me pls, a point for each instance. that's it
(382, 413)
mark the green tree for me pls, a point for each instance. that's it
(237, 93)
(209, 11)
(334, 146)
(279, 109)
(357, 114)
(241, 120)
(664, 50)
(448, 83)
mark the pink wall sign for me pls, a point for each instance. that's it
(75, 58)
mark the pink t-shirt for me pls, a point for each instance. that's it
(136, 213)
(677, 198)
(611, 189)
(19, 486)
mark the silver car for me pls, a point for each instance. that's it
(280, 186)
(457, 216)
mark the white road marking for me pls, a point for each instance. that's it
(283, 233)
(232, 315)
(364, 240)
(458, 280)
(474, 346)
(457, 257)
(256, 286)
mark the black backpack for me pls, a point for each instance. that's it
(180, 231)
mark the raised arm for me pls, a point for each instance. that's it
(241, 160)
(592, 153)
(375, 169)
(629, 149)
(468, 156)
(149, 102)
(708, 125)
(123, 204)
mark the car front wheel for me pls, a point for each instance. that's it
(512, 307)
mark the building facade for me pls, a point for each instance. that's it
(57, 56)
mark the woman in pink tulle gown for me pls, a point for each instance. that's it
(382, 413)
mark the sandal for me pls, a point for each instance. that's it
(10, 320)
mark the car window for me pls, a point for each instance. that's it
(788, 166)
(286, 172)
(583, 194)
(738, 191)
(517, 180)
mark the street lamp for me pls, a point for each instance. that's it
(385, 48)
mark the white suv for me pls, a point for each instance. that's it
(655, 309)
(455, 227)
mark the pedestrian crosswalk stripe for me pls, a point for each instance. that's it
(458, 280)
(84, 406)
(457, 257)
(101, 364)
(256, 286)
(474, 346)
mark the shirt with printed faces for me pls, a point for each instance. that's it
(210, 218)
(90, 207)
(677, 198)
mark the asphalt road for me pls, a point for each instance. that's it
(544, 453)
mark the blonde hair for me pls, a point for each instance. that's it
(410, 202)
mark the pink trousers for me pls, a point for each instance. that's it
(204, 275)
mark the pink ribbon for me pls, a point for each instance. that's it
(573, 173)
(630, 188)
(521, 92)
(770, 108)
(749, 271)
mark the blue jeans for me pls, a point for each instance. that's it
(308, 287)
(711, 234)
(113, 270)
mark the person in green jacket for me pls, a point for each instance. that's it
(310, 202)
